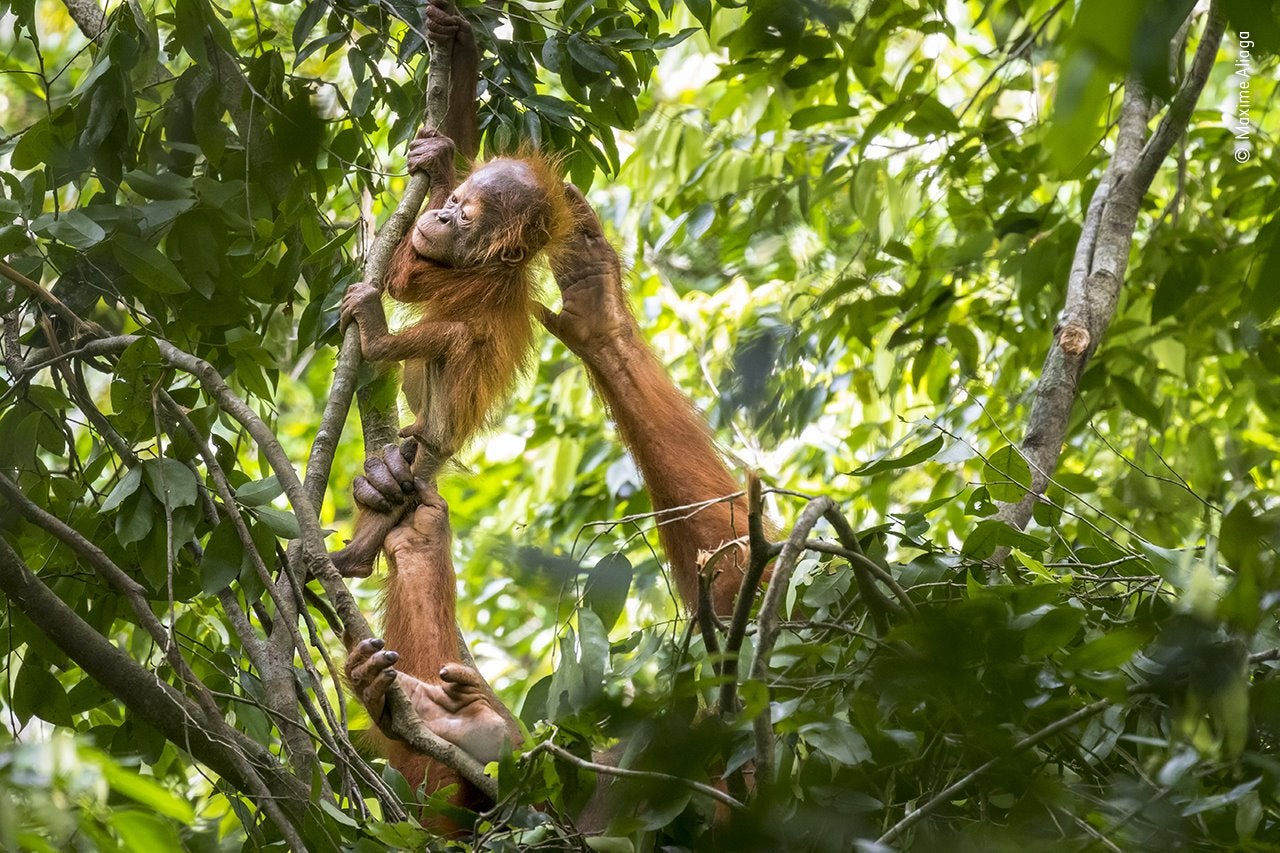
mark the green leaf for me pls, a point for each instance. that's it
(915, 457)
(144, 831)
(590, 56)
(701, 11)
(991, 533)
(534, 706)
(136, 518)
(699, 221)
(170, 481)
(837, 740)
(145, 263)
(671, 41)
(128, 485)
(190, 29)
(824, 113)
(607, 588)
(307, 21)
(223, 556)
(74, 228)
(593, 642)
(159, 185)
(1050, 629)
(139, 370)
(1108, 651)
(1007, 475)
(281, 523)
(1220, 800)
(148, 792)
(36, 146)
(36, 692)
(259, 492)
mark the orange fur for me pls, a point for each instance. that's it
(475, 329)
(484, 359)
(676, 453)
(671, 442)
(492, 301)
(419, 623)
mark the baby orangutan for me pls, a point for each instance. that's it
(465, 264)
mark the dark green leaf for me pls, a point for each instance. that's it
(36, 692)
(170, 481)
(282, 523)
(259, 492)
(607, 588)
(907, 460)
(223, 556)
(74, 228)
(1107, 651)
(146, 264)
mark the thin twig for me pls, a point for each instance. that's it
(53, 303)
(943, 796)
(627, 773)
(854, 554)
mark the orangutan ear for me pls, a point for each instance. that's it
(513, 255)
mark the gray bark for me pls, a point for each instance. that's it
(1099, 266)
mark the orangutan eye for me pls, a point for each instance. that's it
(464, 217)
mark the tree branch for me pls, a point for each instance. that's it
(1098, 269)
(49, 301)
(769, 627)
(231, 754)
(760, 554)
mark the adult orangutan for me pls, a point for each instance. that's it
(673, 446)
(465, 264)
(421, 651)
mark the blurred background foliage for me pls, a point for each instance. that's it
(848, 228)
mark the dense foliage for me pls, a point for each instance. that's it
(850, 228)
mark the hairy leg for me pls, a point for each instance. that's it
(446, 25)
(421, 649)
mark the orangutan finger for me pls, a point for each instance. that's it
(461, 676)
(380, 476)
(398, 468)
(366, 676)
(368, 496)
(361, 652)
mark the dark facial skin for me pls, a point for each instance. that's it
(457, 234)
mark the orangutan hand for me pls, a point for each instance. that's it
(595, 313)
(433, 155)
(422, 531)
